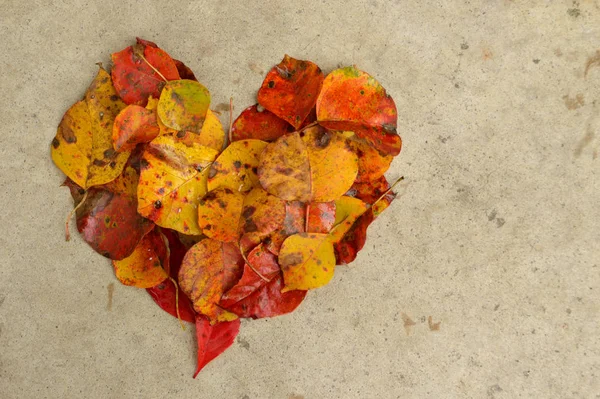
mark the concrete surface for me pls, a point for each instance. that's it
(495, 234)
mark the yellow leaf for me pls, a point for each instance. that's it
(219, 214)
(236, 167)
(307, 261)
(83, 147)
(347, 210)
(172, 181)
(183, 105)
(144, 268)
(312, 165)
(212, 134)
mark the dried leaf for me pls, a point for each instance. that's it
(371, 164)
(134, 125)
(136, 79)
(353, 100)
(219, 214)
(172, 181)
(307, 261)
(236, 167)
(213, 339)
(183, 105)
(145, 267)
(83, 147)
(209, 269)
(290, 89)
(255, 122)
(262, 214)
(313, 165)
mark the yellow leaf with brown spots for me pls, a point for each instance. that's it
(183, 105)
(209, 269)
(237, 165)
(311, 165)
(347, 210)
(307, 261)
(262, 214)
(83, 147)
(219, 214)
(212, 134)
(172, 182)
(145, 267)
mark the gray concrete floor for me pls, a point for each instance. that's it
(495, 234)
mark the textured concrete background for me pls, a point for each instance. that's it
(495, 234)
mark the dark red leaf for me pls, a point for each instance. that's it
(213, 340)
(255, 122)
(290, 89)
(184, 71)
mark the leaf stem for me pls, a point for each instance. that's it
(230, 118)
(252, 267)
(177, 302)
(388, 190)
(70, 215)
(306, 217)
(139, 51)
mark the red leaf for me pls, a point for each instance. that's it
(290, 89)
(164, 293)
(184, 71)
(213, 340)
(134, 79)
(254, 297)
(353, 100)
(255, 122)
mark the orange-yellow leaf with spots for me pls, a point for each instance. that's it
(347, 210)
(262, 214)
(172, 182)
(236, 166)
(219, 214)
(371, 163)
(183, 105)
(209, 269)
(83, 147)
(312, 165)
(307, 261)
(148, 264)
(134, 125)
(212, 134)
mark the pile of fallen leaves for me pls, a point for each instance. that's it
(218, 227)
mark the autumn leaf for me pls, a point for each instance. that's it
(141, 71)
(371, 164)
(347, 210)
(172, 181)
(312, 165)
(147, 266)
(83, 147)
(212, 134)
(258, 293)
(290, 89)
(256, 122)
(169, 297)
(372, 191)
(353, 100)
(236, 166)
(108, 220)
(219, 214)
(183, 105)
(184, 71)
(321, 216)
(294, 222)
(262, 214)
(213, 339)
(134, 125)
(209, 269)
(307, 261)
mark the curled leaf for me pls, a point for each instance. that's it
(307, 261)
(353, 100)
(236, 166)
(145, 267)
(313, 165)
(83, 147)
(290, 89)
(209, 269)
(256, 122)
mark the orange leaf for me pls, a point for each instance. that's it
(236, 166)
(209, 269)
(353, 100)
(313, 165)
(371, 164)
(255, 122)
(219, 214)
(134, 125)
(290, 89)
(262, 214)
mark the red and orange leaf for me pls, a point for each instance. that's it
(290, 89)
(312, 165)
(294, 222)
(371, 164)
(370, 192)
(82, 147)
(261, 268)
(219, 214)
(134, 79)
(134, 125)
(353, 100)
(321, 216)
(165, 294)
(213, 339)
(236, 166)
(148, 264)
(172, 181)
(209, 269)
(108, 220)
(307, 261)
(256, 122)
